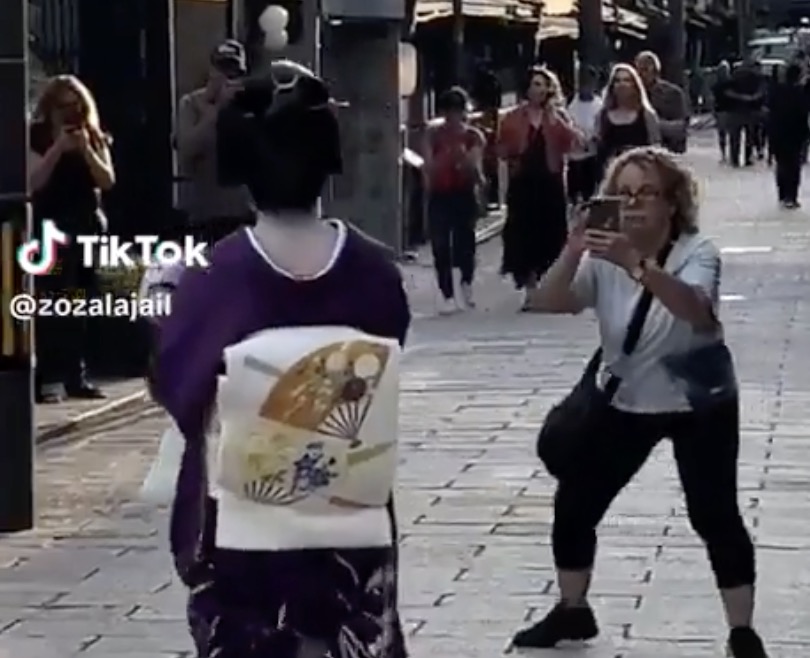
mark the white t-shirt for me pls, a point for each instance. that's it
(584, 115)
(646, 387)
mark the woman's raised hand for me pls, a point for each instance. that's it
(576, 230)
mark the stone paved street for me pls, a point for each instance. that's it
(94, 580)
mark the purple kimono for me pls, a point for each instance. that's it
(259, 604)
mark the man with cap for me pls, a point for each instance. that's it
(213, 211)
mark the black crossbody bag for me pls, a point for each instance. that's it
(575, 421)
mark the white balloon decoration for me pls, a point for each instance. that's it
(274, 21)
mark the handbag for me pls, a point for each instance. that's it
(707, 374)
(572, 423)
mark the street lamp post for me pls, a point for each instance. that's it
(16, 386)
(591, 34)
(458, 41)
(675, 66)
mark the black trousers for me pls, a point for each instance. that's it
(451, 222)
(582, 178)
(706, 447)
(61, 341)
(743, 125)
(789, 163)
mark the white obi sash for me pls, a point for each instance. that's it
(307, 450)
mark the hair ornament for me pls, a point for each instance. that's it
(273, 22)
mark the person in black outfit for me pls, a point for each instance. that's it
(773, 85)
(788, 132)
(746, 94)
(722, 105)
(70, 166)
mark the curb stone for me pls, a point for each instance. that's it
(97, 418)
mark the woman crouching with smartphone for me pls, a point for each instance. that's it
(675, 382)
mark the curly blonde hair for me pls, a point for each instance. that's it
(678, 184)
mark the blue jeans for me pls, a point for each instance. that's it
(451, 223)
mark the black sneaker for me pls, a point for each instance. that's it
(562, 623)
(745, 643)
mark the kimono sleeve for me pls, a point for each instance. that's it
(583, 285)
(187, 357)
(403, 312)
(702, 270)
(398, 318)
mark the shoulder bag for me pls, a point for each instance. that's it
(575, 421)
(707, 374)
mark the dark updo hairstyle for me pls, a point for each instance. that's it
(279, 137)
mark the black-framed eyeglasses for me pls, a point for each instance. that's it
(642, 196)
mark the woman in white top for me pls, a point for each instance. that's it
(608, 272)
(582, 172)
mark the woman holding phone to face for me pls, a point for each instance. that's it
(533, 140)
(70, 165)
(627, 119)
(676, 382)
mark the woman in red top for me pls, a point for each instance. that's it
(533, 139)
(453, 173)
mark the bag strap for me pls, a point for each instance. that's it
(635, 326)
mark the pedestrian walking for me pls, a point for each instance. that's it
(286, 547)
(722, 106)
(788, 132)
(663, 372)
(582, 173)
(534, 139)
(70, 166)
(667, 99)
(627, 119)
(746, 94)
(455, 184)
(213, 210)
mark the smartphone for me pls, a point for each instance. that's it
(603, 213)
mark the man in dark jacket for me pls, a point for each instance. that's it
(722, 105)
(668, 100)
(788, 131)
(746, 93)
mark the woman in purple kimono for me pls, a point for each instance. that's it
(269, 572)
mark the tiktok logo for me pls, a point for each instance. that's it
(38, 257)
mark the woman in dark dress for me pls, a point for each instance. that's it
(533, 139)
(70, 166)
(627, 119)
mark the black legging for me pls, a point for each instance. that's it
(705, 445)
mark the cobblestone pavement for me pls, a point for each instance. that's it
(475, 506)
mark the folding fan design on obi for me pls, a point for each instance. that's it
(330, 390)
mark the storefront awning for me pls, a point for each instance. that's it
(520, 11)
(558, 26)
(559, 19)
